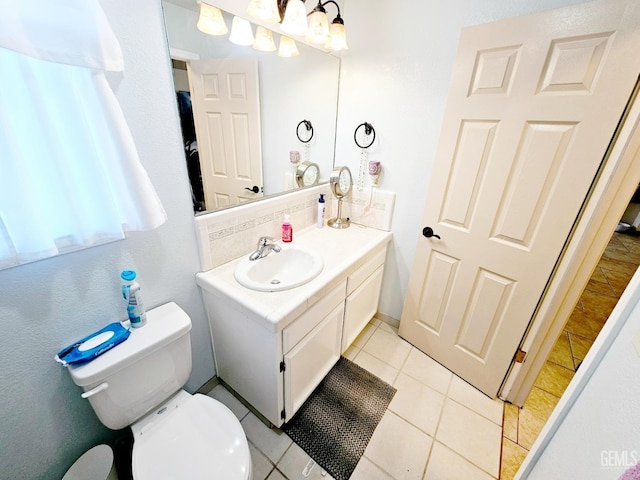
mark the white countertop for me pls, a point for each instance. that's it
(342, 250)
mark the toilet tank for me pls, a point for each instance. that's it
(137, 375)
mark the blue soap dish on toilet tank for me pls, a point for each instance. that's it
(93, 345)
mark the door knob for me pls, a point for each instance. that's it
(254, 189)
(428, 232)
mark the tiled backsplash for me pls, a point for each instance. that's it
(229, 234)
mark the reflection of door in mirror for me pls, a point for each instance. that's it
(190, 144)
(224, 96)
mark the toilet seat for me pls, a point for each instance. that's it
(199, 438)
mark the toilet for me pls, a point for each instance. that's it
(139, 384)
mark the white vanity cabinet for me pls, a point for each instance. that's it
(311, 346)
(363, 295)
(274, 348)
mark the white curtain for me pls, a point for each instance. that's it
(70, 176)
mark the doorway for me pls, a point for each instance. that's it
(521, 426)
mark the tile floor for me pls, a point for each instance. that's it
(522, 426)
(436, 427)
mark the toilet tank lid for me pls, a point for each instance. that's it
(165, 324)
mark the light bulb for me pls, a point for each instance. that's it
(288, 47)
(264, 40)
(295, 18)
(337, 39)
(318, 27)
(241, 33)
(211, 20)
(266, 10)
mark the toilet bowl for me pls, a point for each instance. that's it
(193, 437)
(138, 384)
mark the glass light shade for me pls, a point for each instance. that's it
(295, 18)
(241, 33)
(264, 40)
(318, 27)
(266, 10)
(211, 20)
(337, 39)
(288, 47)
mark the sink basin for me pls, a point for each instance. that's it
(289, 268)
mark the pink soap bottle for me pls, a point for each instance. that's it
(287, 230)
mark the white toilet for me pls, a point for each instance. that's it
(139, 384)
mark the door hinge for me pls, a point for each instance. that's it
(283, 414)
(520, 355)
(282, 367)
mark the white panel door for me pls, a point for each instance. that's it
(226, 110)
(532, 107)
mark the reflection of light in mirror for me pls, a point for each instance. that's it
(266, 10)
(241, 33)
(295, 18)
(264, 40)
(288, 47)
(211, 20)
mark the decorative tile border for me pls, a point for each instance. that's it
(229, 234)
(369, 207)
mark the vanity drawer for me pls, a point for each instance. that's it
(362, 273)
(309, 319)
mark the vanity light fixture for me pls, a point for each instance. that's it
(241, 33)
(314, 26)
(318, 31)
(264, 40)
(211, 20)
(266, 10)
(288, 47)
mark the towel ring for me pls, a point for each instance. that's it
(308, 132)
(368, 130)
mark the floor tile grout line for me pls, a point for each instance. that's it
(435, 437)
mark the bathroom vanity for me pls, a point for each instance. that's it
(274, 348)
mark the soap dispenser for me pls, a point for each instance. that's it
(287, 230)
(321, 211)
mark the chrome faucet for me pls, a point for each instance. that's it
(264, 248)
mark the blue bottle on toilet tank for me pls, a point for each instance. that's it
(131, 293)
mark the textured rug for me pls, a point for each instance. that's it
(336, 422)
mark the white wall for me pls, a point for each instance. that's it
(44, 423)
(395, 76)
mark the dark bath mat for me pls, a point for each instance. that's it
(337, 421)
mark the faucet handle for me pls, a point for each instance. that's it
(262, 241)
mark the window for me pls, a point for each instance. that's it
(70, 176)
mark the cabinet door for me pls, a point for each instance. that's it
(361, 306)
(311, 359)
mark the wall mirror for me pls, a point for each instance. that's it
(290, 90)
